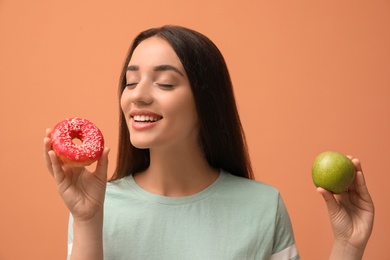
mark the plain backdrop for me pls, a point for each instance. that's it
(309, 76)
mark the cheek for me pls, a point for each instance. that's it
(188, 111)
(123, 101)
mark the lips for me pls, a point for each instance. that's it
(144, 115)
(142, 119)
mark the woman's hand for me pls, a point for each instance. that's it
(82, 191)
(351, 215)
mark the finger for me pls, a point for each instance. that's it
(48, 132)
(58, 172)
(47, 148)
(358, 165)
(102, 164)
(330, 201)
(358, 168)
(361, 187)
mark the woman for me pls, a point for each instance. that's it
(182, 187)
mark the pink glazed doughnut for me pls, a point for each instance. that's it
(79, 155)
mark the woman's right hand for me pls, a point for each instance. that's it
(82, 191)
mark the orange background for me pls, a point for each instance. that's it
(309, 76)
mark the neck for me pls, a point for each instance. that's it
(177, 173)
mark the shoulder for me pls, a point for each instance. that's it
(117, 184)
(254, 196)
(248, 187)
(120, 188)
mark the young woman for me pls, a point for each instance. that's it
(183, 186)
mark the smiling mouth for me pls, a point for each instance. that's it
(146, 119)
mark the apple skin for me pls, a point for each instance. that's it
(333, 171)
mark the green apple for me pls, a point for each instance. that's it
(333, 171)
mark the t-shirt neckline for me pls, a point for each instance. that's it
(177, 200)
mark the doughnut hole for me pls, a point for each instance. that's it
(77, 141)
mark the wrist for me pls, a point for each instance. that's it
(88, 238)
(92, 227)
(344, 250)
(88, 219)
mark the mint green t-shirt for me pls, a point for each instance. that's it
(234, 218)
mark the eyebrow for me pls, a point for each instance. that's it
(157, 68)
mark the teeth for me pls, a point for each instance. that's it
(145, 118)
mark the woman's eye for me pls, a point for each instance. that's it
(131, 85)
(163, 85)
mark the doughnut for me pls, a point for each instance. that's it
(66, 137)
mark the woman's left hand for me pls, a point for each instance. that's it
(351, 215)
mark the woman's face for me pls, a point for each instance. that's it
(157, 102)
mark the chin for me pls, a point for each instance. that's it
(140, 145)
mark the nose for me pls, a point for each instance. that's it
(142, 93)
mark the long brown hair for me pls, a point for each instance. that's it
(221, 135)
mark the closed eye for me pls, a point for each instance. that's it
(162, 85)
(131, 85)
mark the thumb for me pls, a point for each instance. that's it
(102, 165)
(330, 201)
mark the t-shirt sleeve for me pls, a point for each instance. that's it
(284, 243)
(70, 235)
